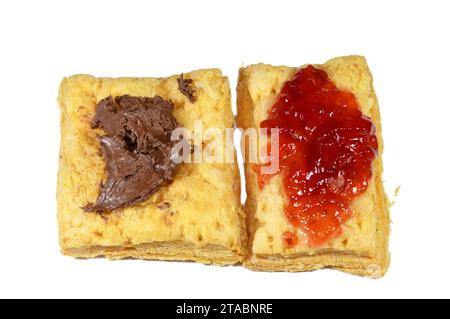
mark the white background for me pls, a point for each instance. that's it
(407, 47)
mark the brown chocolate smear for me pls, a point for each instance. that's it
(136, 147)
(186, 87)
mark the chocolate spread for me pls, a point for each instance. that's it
(136, 148)
(186, 87)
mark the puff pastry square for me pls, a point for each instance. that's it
(362, 248)
(197, 217)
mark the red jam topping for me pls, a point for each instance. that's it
(290, 239)
(326, 149)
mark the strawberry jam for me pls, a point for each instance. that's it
(290, 239)
(326, 149)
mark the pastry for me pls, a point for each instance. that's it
(325, 206)
(120, 193)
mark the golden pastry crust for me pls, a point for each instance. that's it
(205, 220)
(363, 247)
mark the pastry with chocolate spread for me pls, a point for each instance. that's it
(120, 192)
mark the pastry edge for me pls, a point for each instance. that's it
(171, 251)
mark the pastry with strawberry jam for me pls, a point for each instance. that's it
(317, 198)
